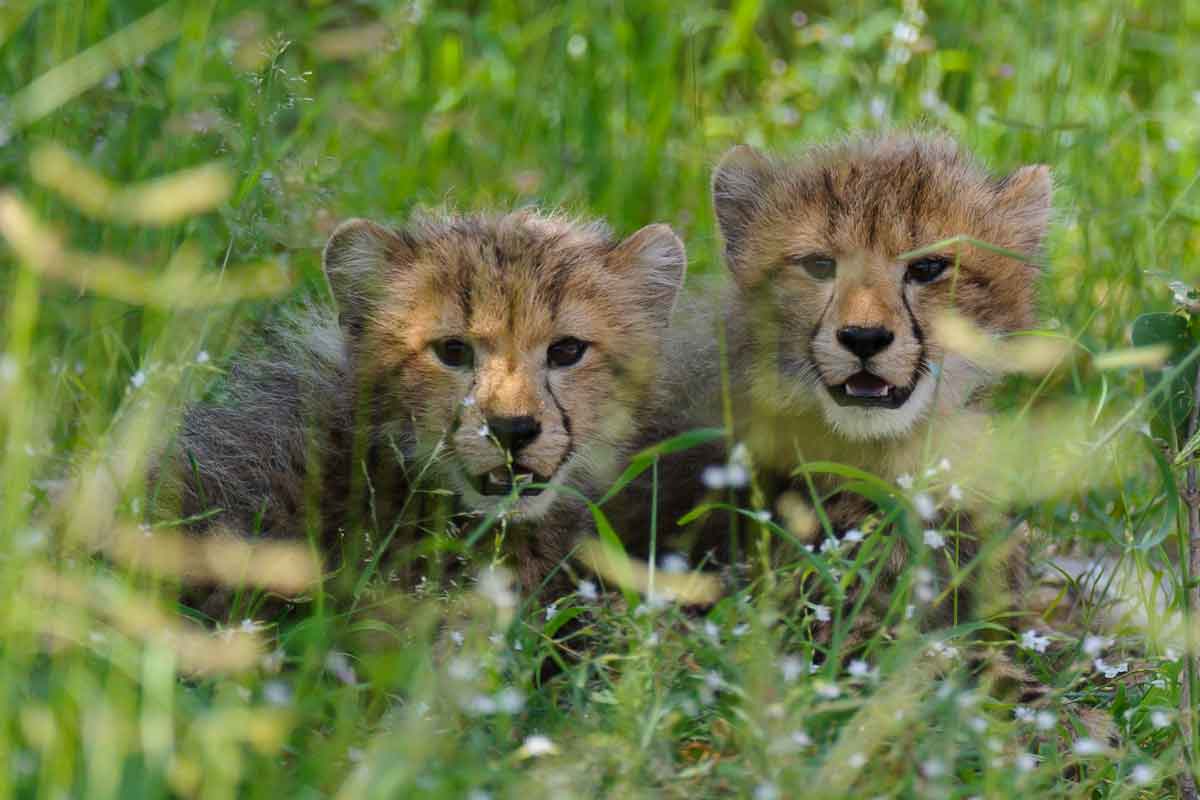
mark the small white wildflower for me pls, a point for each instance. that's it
(537, 745)
(925, 506)
(1110, 670)
(740, 630)
(1160, 719)
(202, 357)
(355, 755)
(8, 368)
(1085, 746)
(821, 612)
(909, 611)
(830, 545)
(905, 32)
(854, 535)
(1032, 640)
(1026, 762)
(1171, 654)
(1023, 714)
(905, 481)
(577, 46)
(713, 680)
(1095, 645)
(791, 668)
(955, 493)
(978, 724)
(736, 476)
(138, 379)
(859, 669)
(339, 665)
(766, 791)
(478, 794)
(483, 431)
(830, 691)
(857, 761)
(934, 538)
(587, 591)
(1142, 775)
(933, 768)
(277, 693)
(457, 637)
(944, 465)
(461, 669)
(495, 584)
(801, 739)
(551, 610)
(652, 640)
(468, 401)
(762, 515)
(1045, 721)
(712, 631)
(1074, 517)
(942, 650)
(673, 564)
(713, 477)
(510, 700)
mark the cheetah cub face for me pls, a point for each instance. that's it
(509, 351)
(840, 322)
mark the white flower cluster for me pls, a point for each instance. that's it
(1032, 640)
(733, 475)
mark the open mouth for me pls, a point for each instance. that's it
(869, 390)
(503, 481)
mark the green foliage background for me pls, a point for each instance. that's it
(610, 109)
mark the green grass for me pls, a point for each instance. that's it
(618, 111)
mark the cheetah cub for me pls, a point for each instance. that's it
(480, 356)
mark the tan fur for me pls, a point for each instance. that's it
(863, 202)
(334, 421)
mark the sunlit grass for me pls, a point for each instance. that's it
(169, 174)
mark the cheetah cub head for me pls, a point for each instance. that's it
(506, 351)
(839, 321)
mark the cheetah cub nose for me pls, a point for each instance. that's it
(865, 341)
(514, 433)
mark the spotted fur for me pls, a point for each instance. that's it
(329, 424)
(864, 202)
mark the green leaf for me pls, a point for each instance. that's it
(609, 538)
(1171, 410)
(645, 459)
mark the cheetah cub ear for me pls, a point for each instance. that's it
(1026, 197)
(655, 259)
(356, 259)
(739, 190)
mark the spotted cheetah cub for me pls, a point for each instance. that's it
(831, 331)
(831, 348)
(480, 356)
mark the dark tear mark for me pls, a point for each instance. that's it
(917, 331)
(566, 418)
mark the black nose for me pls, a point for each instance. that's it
(513, 433)
(864, 341)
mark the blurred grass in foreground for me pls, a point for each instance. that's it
(168, 171)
